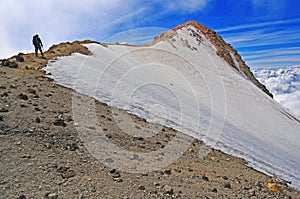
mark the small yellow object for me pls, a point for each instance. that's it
(213, 158)
(191, 149)
(274, 187)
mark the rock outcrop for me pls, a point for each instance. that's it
(29, 61)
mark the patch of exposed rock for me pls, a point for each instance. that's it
(29, 61)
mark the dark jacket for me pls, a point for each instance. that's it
(37, 41)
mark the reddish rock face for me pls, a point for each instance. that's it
(224, 50)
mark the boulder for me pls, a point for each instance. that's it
(13, 65)
(20, 57)
(168, 190)
(5, 62)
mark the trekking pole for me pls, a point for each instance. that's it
(43, 51)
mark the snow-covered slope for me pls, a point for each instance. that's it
(180, 81)
(284, 83)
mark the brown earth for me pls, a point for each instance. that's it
(42, 155)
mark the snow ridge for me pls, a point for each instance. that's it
(181, 81)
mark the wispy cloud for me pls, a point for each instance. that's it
(258, 25)
(266, 43)
(124, 18)
(189, 6)
(137, 36)
(269, 8)
(288, 52)
(278, 61)
(261, 38)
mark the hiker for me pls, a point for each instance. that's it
(37, 45)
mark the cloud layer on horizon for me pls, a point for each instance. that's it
(284, 84)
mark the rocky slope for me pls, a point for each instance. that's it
(42, 155)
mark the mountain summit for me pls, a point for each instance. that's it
(223, 49)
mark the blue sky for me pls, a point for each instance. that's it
(265, 32)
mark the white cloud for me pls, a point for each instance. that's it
(56, 21)
(284, 83)
(68, 20)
